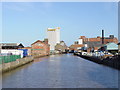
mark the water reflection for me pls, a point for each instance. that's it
(61, 71)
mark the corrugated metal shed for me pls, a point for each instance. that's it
(111, 46)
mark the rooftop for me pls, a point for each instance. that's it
(53, 29)
(93, 44)
(9, 44)
(112, 46)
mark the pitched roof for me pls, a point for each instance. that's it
(77, 45)
(25, 48)
(40, 42)
(93, 44)
(10, 44)
(37, 42)
(111, 46)
(94, 39)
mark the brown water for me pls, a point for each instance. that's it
(61, 71)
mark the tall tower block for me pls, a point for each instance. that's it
(53, 37)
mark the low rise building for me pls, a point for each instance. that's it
(40, 48)
(93, 44)
(61, 47)
(6, 52)
(119, 48)
(26, 50)
(111, 47)
(11, 45)
(11, 49)
(76, 47)
(109, 39)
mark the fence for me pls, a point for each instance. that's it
(10, 58)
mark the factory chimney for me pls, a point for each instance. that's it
(102, 36)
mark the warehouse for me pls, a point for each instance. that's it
(40, 48)
(111, 47)
(119, 48)
(11, 45)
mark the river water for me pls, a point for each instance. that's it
(61, 71)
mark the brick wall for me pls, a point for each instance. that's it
(40, 48)
(75, 46)
(98, 39)
(115, 40)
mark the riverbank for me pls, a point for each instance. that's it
(12, 65)
(113, 62)
(19, 62)
(39, 56)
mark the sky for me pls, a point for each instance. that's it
(26, 22)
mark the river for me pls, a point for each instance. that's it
(61, 71)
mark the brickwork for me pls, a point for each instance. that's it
(40, 48)
(99, 39)
(115, 40)
(93, 43)
(76, 46)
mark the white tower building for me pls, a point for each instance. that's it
(80, 41)
(53, 37)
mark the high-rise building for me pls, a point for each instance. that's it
(53, 37)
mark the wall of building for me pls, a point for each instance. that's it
(119, 49)
(115, 40)
(29, 50)
(60, 48)
(11, 45)
(80, 41)
(12, 51)
(40, 49)
(53, 37)
(76, 47)
(98, 39)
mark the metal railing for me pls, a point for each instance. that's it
(9, 58)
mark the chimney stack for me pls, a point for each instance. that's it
(102, 36)
(46, 41)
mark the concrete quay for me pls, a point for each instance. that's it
(113, 62)
(12, 65)
(19, 62)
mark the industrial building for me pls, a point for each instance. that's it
(11, 49)
(111, 47)
(40, 48)
(11, 45)
(93, 44)
(61, 47)
(106, 40)
(26, 51)
(119, 48)
(53, 37)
